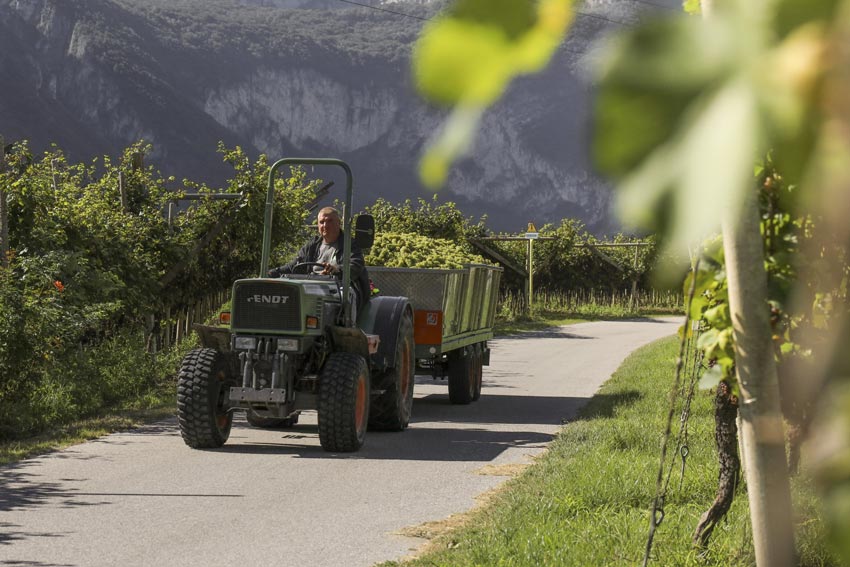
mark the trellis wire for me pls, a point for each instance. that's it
(684, 360)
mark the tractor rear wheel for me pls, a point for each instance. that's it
(343, 405)
(203, 384)
(461, 376)
(391, 411)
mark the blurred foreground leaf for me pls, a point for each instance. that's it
(687, 106)
(469, 56)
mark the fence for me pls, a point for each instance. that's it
(584, 300)
(175, 323)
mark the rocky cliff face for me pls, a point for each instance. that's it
(96, 75)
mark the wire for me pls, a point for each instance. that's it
(385, 10)
(603, 18)
(662, 6)
(578, 13)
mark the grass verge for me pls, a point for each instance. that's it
(587, 500)
(84, 430)
(147, 403)
(545, 319)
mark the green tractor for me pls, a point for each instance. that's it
(292, 346)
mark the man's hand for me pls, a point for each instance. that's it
(330, 269)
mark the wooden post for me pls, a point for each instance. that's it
(55, 174)
(166, 339)
(530, 275)
(170, 216)
(122, 190)
(762, 434)
(4, 212)
(635, 281)
(177, 334)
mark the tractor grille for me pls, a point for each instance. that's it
(266, 306)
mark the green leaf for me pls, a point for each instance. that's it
(679, 124)
(468, 57)
(460, 61)
(708, 339)
(454, 140)
(787, 348)
(791, 14)
(698, 304)
(692, 6)
(711, 377)
(717, 315)
(649, 77)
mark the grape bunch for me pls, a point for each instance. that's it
(406, 250)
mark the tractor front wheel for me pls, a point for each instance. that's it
(343, 405)
(203, 384)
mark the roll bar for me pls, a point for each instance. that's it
(346, 215)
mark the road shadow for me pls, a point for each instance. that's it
(497, 409)
(23, 490)
(550, 333)
(603, 406)
(9, 534)
(441, 431)
(413, 444)
(17, 563)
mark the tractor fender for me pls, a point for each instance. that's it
(350, 339)
(382, 316)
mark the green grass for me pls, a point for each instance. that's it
(587, 500)
(554, 308)
(140, 405)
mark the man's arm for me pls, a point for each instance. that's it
(358, 263)
(300, 257)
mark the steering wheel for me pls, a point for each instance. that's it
(306, 265)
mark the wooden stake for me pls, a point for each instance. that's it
(122, 190)
(4, 212)
(762, 435)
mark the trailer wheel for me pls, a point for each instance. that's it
(478, 371)
(343, 405)
(202, 387)
(461, 376)
(270, 422)
(391, 411)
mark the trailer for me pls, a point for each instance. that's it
(453, 314)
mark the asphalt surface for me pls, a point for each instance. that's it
(274, 497)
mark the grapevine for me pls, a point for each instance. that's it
(405, 250)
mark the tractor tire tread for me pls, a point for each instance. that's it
(194, 407)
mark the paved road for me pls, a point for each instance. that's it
(276, 498)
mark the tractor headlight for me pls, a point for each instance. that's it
(287, 345)
(245, 343)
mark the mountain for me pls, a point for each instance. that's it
(295, 78)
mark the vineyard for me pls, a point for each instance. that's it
(110, 263)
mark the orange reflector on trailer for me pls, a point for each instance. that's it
(427, 327)
(224, 318)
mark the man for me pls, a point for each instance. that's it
(327, 250)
